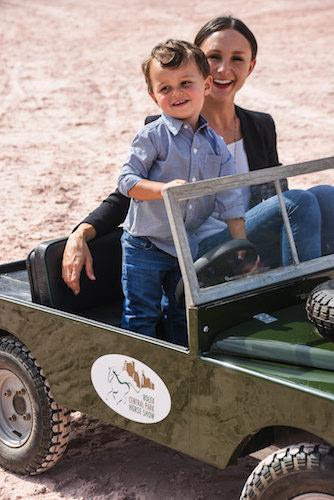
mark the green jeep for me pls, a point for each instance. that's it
(259, 366)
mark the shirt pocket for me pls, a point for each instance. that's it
(212, 166)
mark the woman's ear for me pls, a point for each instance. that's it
(251, 66)
(208, 85)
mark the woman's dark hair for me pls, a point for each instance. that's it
(225, 23)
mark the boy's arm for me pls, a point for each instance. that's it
(143, 153)
(133, 180)
(230, 205)
(230, 201)
(237, 228)
(146, 190)
(152, 190)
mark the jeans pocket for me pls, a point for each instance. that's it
(140, 242)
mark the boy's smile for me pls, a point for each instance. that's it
(180, 102)
(180, 92)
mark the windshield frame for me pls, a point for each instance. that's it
(195, 295)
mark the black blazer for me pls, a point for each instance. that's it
(259, 134)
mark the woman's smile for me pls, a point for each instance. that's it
(223, 84)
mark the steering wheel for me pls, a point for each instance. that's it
(220, 263)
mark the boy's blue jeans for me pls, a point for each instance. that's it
(147, 274)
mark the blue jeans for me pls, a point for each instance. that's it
(325, 198)
(265, 229)
(147, 274)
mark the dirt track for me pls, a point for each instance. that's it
(72, 97)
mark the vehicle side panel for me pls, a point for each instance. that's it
(215, 404)
(66, 347)
(229, 403)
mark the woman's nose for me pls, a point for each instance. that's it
(223, 67)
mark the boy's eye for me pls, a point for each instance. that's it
(186, 83)
(237, 58)
(164, 90)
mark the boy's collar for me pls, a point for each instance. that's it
(174, 124)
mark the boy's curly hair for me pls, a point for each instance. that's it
(173, 53)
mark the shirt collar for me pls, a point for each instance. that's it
(174, 125)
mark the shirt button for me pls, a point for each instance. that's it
(190, 206)
(186, 126)
(193, 179)
(195, 150)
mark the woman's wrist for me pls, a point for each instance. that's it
(84, 232)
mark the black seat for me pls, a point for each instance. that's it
(48, 288)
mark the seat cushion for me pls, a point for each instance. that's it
(48, 288)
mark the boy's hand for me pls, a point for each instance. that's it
(249, 267)
(175, 182)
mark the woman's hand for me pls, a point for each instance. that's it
(76, 256)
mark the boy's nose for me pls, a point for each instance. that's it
(177, 92)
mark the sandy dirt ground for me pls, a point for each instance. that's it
(71, 98)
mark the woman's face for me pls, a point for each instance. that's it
(230, 58)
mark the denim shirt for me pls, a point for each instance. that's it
(168, 149)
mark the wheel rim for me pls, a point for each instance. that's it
(16, 415)
(314, 496)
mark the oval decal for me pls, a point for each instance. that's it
(131, 388)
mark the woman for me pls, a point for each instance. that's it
(231, 50)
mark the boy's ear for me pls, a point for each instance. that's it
(153, 97)
(208, 85)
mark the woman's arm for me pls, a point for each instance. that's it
(106, 217)
(109, 214)
(102, 220)
(271, 142)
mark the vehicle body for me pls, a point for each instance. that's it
(255, 365)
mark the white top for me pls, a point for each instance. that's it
(237, 150)
(212, 225)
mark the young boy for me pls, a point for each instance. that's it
(178, 147)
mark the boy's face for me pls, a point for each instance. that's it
(180, 92)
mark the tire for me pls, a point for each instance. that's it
(302, 469)
(34, 429)
(320, 309)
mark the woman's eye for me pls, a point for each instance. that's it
(237, 58)
(214, 57)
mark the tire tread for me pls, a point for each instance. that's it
(304, 456)
(57, 419)
(320, 308)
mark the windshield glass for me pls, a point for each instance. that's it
(287, 229)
